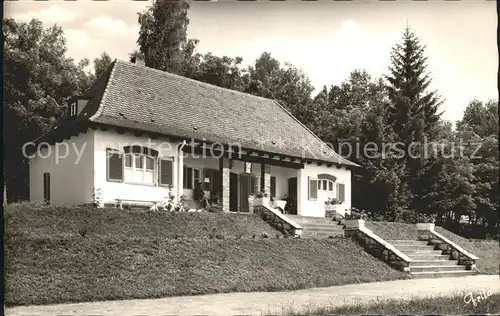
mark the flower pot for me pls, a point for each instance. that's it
(261, 201)
(330, 210)
(330, 207)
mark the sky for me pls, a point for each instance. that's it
(326, 39)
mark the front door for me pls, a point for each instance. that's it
(233, 192)
(245, 190)
(291, 206)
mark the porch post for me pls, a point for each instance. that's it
(302, 193)
(224, 171)
(180, 175)
(265, 177)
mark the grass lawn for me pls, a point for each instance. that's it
(128, 255)
(23, 219)
(454, 305)
(391, 230)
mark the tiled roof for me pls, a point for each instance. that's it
(139, 97)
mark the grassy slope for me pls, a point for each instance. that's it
(454, 305)
(488, 251)
(144, 255)
(390, 230)
(63, 269)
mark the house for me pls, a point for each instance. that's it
(139, 133)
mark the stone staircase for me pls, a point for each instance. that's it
(318, 227)
(427, 261)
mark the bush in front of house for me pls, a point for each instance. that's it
(403, 216)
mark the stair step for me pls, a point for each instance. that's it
(442, 274)
(443, 262)
(429, 257)
(407, 242)
(319, 228)
(422, 252)
(321, 234)
(413, 248)
(436, 268)
(321, 225)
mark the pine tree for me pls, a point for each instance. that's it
(414, 111)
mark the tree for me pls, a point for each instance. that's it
(101, 64)
(38, 77)
(288, 85)
(162, 35)
(220, 71)
(481, 118)
(413, 110)
(478, 129)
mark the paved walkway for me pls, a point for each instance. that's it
(263, 303)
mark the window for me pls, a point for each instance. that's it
(140, 164)
(313, 188)
(341, 191)
(114, 165)
(273, 186)
(46, 187)
(326, 182)
(191, 177)
(72, 109)
(139, 168)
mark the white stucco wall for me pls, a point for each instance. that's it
(71, 171)
(316, 208)
(123, 190)
(74, 176)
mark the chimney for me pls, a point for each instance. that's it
(138, 60)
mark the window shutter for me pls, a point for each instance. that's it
(341, 192)
(313, 188)
(273, 186)
(114, 165)
(166, 173)
(46, 187)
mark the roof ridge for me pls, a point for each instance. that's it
(192, 80)
(104, 94)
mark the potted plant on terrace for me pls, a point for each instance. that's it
(261, 198)
(331, 206)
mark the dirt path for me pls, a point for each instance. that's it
(262, 303)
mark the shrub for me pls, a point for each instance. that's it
(199, 194)
(262, 194)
